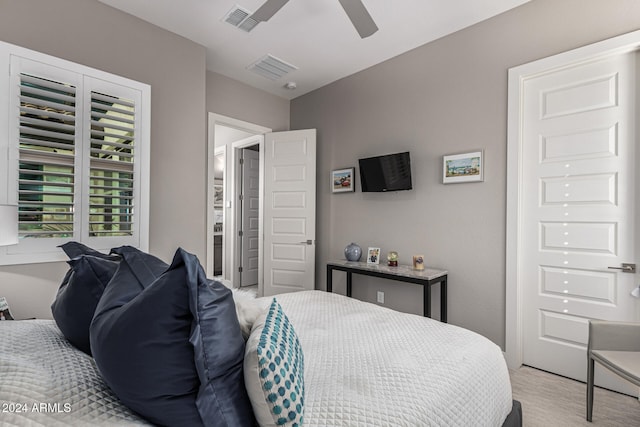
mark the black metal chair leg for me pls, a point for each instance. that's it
(590, 369)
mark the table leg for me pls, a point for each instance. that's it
(348, 283)
(329, 279)
(426, 291)
(443, 300)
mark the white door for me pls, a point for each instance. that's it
(249, 205)
(578, 199)
(289, 211)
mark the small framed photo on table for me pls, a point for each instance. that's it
(373, 256)
(342, 180)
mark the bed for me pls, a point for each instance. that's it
(365, 365)
(136, 341)
(46, 381)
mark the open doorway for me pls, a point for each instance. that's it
(285, 231)
(218, 210)
(223, 133)
(246, 227)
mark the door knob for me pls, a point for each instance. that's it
(307, 242)
(626, 268)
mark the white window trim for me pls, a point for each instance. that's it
(9, 152)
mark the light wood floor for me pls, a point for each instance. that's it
(552, 401)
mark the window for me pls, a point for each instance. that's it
(77, 156)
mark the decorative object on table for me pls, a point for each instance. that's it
(5, 314)
(352, 252)
(373, 256)
(342, 180)
(467, 167)
(418, 262)
(392, 258)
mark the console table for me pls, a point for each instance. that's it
(402, 273)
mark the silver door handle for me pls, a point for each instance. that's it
(307, 242)
(626, 268)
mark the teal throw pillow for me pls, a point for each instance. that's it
(274, 370)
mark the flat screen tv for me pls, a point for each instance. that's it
(391, 172)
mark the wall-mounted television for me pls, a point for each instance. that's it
(391, 172)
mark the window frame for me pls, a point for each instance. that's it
(14, 59)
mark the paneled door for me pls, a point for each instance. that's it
(289, 211)
(578, 200)
(250, 206)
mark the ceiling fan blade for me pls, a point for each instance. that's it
(359, 17)
(268, 9)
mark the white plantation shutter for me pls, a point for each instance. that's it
(78, 156)
(47, 152)
(111, 166)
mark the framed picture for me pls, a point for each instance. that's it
(342, 180)
(373, 256)
(467, 167)
(218, 195)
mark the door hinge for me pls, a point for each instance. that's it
(241, 197)
(241, 161)
(240, 233)
(239, 269)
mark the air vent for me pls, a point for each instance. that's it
(271, 67)
(240, 18)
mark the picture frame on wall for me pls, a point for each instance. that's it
(218, 195)
(343, 180)
(466, 167)
(373, 256)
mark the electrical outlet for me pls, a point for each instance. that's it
(381, 297)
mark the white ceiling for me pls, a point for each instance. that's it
(314, 35)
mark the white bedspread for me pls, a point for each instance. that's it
(45, 381)
(366, 365)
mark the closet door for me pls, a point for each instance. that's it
(577, 219)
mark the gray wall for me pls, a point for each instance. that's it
(90, 33)
(446, 97)
(233, 99)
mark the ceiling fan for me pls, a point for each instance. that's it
(354, 9)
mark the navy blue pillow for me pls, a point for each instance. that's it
(171, 348)
(75, 249)
(140, 269)
(80, 291)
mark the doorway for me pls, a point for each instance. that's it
(571, 198)
(223, 132)
(218, 210)
(246, 225)
(285, 235)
